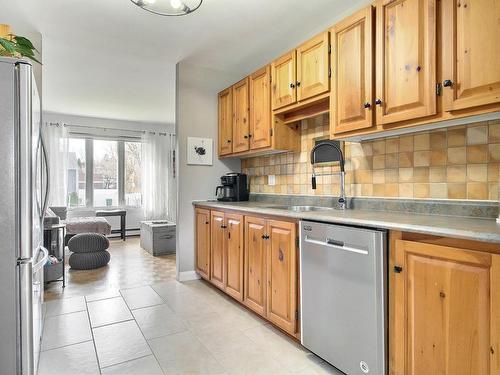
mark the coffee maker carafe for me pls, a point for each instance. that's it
(233, 189)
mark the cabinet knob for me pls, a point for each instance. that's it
(378, 102)
(367, 105)
(249, 135)
(245, 136)
(398, 269)
(298, 83)
(292, 85)
(447, 83)
(228, 141)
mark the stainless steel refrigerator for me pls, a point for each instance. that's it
(23, 199)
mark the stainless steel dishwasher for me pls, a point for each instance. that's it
(343, 296)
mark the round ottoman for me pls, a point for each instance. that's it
(89, 251)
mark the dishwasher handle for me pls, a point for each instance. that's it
(334, 244)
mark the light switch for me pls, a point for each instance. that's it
(271, 180)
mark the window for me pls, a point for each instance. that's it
(76, 172)
(105, 173)
(133, 196)
(113, 168)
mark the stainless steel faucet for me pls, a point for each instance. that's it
(337, 156)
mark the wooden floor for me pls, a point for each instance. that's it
(130, 266)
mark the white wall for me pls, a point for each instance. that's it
(134, 215)
(196, 113)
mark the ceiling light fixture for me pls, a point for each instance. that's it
(169, 7)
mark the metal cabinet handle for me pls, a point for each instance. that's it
(378, 102)
(47, 171)
(367, 105)
(245, 136)
(38, 266)
(292, 86)
(298, 83)
(447, 83)
(330, 243)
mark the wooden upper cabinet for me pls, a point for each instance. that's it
(217, 253)
(241, 123)
(255, 270)
(312, 67)
(282, 275)
(446, 310)
(283, 80)
(225, 122)
(406, 60)
(234, 256)
(351, 104)
(260, 108)
(471, 53)
(202, 239)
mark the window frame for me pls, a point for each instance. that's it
(89, 171)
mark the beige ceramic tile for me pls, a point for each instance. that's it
(421, 190)
(477, 154)
(477, 190)
(437, 174)
(421, 142)
(392, 160)
(421, 158)
(379, 162)
(494, 131)
(438, 140)
(379, 147)
(406, 143)
(477, 173)
(392, 145)
(456, 173)
(457, 191)
(406, 190)
(438, 157)
(456, 136)
(438, 191)
(405, 159)
(405, 175)
(494, 151)
(457, 155)
(421, 174)
(391, 190)
(477, 134)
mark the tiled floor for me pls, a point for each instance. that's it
(167, 328)
(130, 266)
(137, 319)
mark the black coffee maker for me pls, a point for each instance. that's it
(234, 188)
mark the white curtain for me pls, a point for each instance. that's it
(55, 137)
(158, 176)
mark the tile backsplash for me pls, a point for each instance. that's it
(461, 162)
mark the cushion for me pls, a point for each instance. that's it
(88, 243)
(89, 261)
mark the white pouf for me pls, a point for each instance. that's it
(158, 237)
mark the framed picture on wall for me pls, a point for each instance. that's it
(199, 151)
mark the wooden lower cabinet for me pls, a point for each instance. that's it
(217, 249)
(445, 310)
(282, 275)
(202, 222)
(255, 271)
(234, 256)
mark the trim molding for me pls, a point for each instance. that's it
(188, 276)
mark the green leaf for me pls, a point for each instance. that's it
(22, 41)
(8, 45)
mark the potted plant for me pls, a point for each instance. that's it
(16, 45)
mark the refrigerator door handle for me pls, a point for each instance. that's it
(25, 316)
(47, 175)
(39, 265)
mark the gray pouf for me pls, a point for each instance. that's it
(88, 251)
(89, 261)
(88, 243)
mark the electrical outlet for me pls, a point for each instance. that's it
(271, 180)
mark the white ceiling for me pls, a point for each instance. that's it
(109, 58)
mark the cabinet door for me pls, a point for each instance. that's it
(240, 112)
(471, 57)
(446, 310)
(260, 108)
(312, 67)
(225, 122)
(406, 59)
(202, 221)
(352, 79)
(234, 256)
(282, 275)
(255, 264)
(283, 80)
(217, 253)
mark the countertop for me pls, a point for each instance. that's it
(477, 229)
